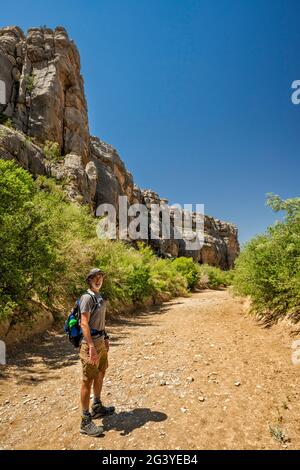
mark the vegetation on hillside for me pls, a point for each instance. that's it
(48, 244)
(268, 269)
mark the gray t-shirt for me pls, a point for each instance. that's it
(97, 315)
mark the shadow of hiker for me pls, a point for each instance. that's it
(127, 421)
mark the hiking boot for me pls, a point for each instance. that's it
(89, 428)
(100, 411)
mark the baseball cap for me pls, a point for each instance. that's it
(93, 272)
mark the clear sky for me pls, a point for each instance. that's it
(194, 94)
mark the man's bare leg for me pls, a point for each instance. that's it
(97, 385)
(87, 425)
(85, 394)
(98, 409)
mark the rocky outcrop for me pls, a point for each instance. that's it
(15, 146)
(44, 87)
(113, 178)
(80, 181)
(220, 244)
(46, 105)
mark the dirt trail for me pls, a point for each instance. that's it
(195, 373)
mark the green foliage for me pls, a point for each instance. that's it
(134, 275)
(290, 206)
(139, 282)
(52, 150)
(188, 269)
(49, 244)
(216, 277)
(28, 238)
(30, 83)
(6, 121)
(167, 279)
(268, 268)
(30, 140)
(278, 434)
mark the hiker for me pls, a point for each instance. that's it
(94, 347)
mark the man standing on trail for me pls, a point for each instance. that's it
(93, 353)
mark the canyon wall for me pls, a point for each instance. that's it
(46, 131)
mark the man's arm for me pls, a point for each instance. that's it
(85, 317)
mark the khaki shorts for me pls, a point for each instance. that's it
(90, 371)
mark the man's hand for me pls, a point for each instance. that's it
(93, 355)
(107, 344)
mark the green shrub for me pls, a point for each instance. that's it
(166, 279)
(6, 121)
(48, 245)
(139, 282)
(28, 238)
(216, 277)
(188, 269)
(30, 83)
(52, 150)
(268, 268)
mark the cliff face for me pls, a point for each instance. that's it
(46, 89)
(46, 104)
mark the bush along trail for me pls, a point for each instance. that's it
(194, 373)
(57, 244)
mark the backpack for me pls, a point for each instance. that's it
(72, 324)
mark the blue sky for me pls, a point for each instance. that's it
(194, 94)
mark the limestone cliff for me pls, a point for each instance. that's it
(46, 108)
